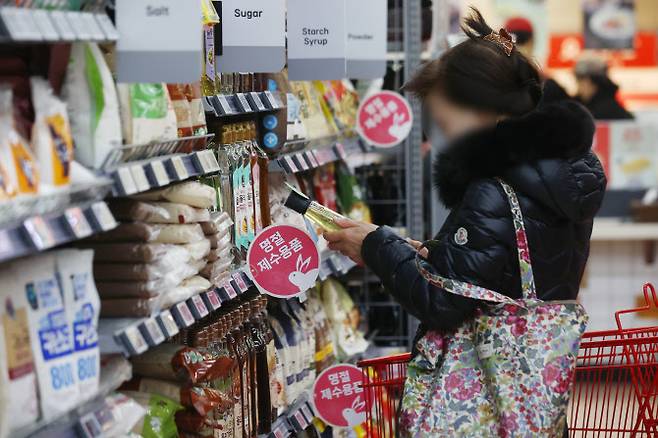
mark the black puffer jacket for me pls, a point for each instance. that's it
(545, 156)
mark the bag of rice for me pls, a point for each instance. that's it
(92, 103)
(50, 334)
(157, 212)
(190, 193)
(131, 252)
(18, 382)
(82, 308)
(51, 135)
(147, 113)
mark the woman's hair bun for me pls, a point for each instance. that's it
(475, 26)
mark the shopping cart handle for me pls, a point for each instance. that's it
(646, 289)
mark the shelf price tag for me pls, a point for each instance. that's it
(45, 25)
(157, 173)
(254, 99)
(79, 25)
(224, 106)
(167, 323)
(39, 232)
(301, 162)
(20, 24)
(340, 151)
(301, 420)
(139, 176)
(212, 300)
(94, 29)
(230, 290)
(152, 332)
(307, 412)
(124, 178)
(103, 216)
(133, 340)
(244, 104)
(270, 100)
(291, 164)
(77, 222)
(182, 315)
(310, 157)
(206, 162)
(239, 280)
(62, 25)
(107, 27)
(177, 170)
(199, 309)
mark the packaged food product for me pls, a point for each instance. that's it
(188, 287)
(339, 306)
(216, 271)
(147, 113)
(197, 113)
(50, 334)
(157, 233)
(51, 135)
(159, 420)
(197, 250)
(135, 252)
(93, 104)
(130, 289)
(181, 108)
(19, 173)
(81, 301)
(165, 268)
(157, 212)
(122, 416)
(219, 222)
(18, 383)
(190, 193)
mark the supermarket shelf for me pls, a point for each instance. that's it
(314, 157)
(132, 336)
(39, 232)
(334, 264)
(113, 374)
(136, 169)
(224, 105)
(295, 419)
(606, 230)
(25, 25)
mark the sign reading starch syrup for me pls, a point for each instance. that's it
(283, 261)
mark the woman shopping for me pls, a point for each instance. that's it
(495, 289)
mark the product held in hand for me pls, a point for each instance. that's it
(313, 211)
(283, 261)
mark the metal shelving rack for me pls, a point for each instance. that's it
(403, 166)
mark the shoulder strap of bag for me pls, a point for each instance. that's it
(481, 293)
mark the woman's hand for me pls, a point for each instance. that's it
(350, 239)
(416, 244)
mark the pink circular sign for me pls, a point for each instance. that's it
(283, 261)
(384, 119)
(338, 396)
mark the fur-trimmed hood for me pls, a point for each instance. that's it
(544, 154)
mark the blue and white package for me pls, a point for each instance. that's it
(50, 335)
(82, 305)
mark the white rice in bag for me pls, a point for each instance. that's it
(82, 305)
(191, 193)
(18, 381)
(50, 335)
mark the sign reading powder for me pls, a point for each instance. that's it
(159, 41)
(316, 39)
(365, 22)
(253, 36)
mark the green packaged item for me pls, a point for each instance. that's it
(159, 421)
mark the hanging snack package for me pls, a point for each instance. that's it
(159, 419)
(18, 167)
(93, 104)
(50, 335)
(18, 383)
(147, 113)
(51, 135)
(74, 268)
(181, 108)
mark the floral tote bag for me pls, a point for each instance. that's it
(505, 373)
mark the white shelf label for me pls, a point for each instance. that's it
(291, 164)
(152, 332)
(159, 173)
(186, 318)
(126, 182)
(239, 280)
(139, 176)
(244, 103)
(302, 161)
(20, 24)
(198, 307)
(230, 291)
(78, 222)
(310, 155)
(223, 103)
(167, 323)
(78, 25)
(273, 103)
(207, 162)
(62, 25)
(103, 216)
(212, 300)
(179, 168)
(93, 27)
(136, 342)
(39, 231)
(256, 99)
(107, 27)
(45, 25)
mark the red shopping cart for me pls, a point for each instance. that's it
(615, 391)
